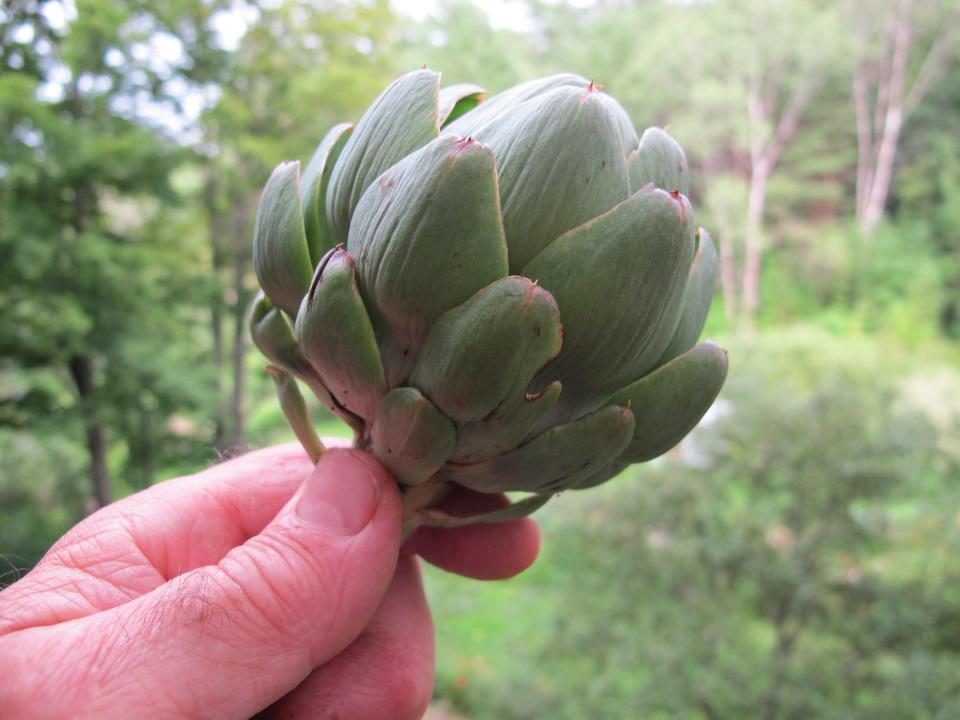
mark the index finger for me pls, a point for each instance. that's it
(133, 546)
(186, 522)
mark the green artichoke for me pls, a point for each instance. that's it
(502, 295)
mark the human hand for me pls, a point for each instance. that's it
(242, 587)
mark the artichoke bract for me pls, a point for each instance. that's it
(503, 295)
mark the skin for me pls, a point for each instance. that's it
(260, 584)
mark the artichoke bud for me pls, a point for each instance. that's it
(561, 163)
(696, 299)
(505, 427)
(426, 235)
(280, 255)
(660, 160)
(506, 293)
(313, 191)
(337, 338)
(402, 119)
(485, 352)
(558, 458)
(457, 100)
(669, 402)
(619, 282)
(410, 436)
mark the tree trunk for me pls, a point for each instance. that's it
(753, 246)
(875, 197)
(81, 370)
(80, 366)
(216, 232)
(766, 149)
(879, 127)
(240, 260)
(880, 189)
(861, 104)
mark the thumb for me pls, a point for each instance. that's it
(228, 639)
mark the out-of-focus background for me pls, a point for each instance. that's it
(796, 557)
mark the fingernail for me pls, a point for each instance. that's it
(341, 495)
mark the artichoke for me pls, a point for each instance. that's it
(503, 295)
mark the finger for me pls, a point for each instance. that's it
(135, 545)
(228, 639)
(192, 521)
(187, 522)
(486, 551)
(386, 673)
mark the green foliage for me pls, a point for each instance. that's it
(930, 198)
(98, 284)
(42, 485)
(461, 43)
(300, 68)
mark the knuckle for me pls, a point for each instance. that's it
(191, 600)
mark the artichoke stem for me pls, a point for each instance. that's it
(417, 498)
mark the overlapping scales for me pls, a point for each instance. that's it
(501, 294)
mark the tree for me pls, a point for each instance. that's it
(87, 262)
(773, 57)
(890, 78)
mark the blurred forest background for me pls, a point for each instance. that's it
(797, 557)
